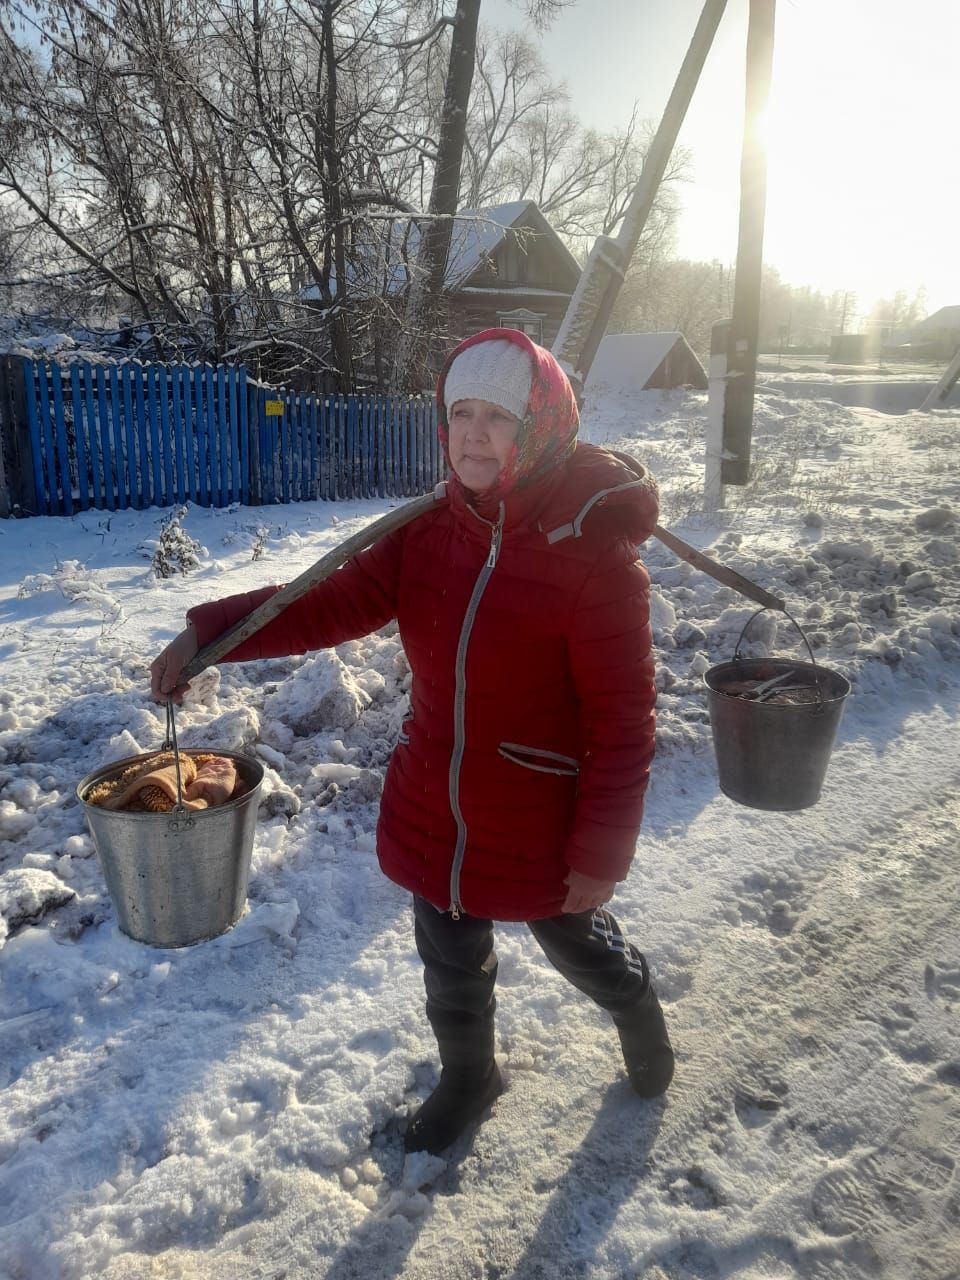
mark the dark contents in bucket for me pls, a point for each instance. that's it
(149, 785)
(795, 691)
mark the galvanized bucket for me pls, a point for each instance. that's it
(179, 877)
(774, 754)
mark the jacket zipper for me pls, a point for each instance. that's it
(460, 711)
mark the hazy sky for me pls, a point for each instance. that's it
(863, 183)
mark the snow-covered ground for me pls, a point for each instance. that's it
(231, 1110)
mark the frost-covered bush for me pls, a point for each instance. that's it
(176, 551)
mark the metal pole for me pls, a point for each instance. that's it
(745, 326)
(719, 346)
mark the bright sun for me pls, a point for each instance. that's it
(858, 143)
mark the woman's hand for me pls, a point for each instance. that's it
(585, 893)
(165, 669)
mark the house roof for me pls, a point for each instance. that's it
(627, 361)
(945, 318)
(477, 233)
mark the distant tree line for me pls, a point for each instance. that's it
(664, 293)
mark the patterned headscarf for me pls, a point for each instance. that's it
(548, 430)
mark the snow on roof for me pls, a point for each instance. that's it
(944, 318)
(627, 361)
(476, 234)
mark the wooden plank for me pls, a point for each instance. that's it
(160, 493)
(404, 431)
(80, 438)
(215, 438)
(111, 481)
(181, 451)
(372, 447)
(375, 438)
(363, 451)
(160, 412)
(145, 471)
(37, 447)
(63, 447)
(293, 437)
(49, 442)
(313, 420)
(390, 452)
(303, 447)
(233, 409)
(420, 414)
(324, 452)
(93, 439)
(116, 435)
(306, 453)
(290, 422)
(341, 444)
(353, 437)
(286, 448)
(267, 427)
(130, 437)
(243, 426)
(190, 433)
(195, 376)
(225, 436)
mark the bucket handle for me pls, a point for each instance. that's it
(737, 656)
(178, 822)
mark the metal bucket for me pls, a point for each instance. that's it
(180, 877)
(774, 755)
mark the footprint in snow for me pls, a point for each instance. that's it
(886, 1189)
(941, 982)
(757, 1098)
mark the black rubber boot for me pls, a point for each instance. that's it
(457, 1101)
(647, 1052)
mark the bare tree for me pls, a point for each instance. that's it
(523, 142)
(426, 285)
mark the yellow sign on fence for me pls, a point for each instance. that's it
(273, 408)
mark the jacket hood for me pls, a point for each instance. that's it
(605, 491)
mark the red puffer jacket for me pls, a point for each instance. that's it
(531, 730)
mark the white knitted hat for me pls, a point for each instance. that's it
(497, 370)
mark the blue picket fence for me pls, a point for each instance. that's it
(135, 435)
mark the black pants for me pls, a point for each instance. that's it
(460, 972)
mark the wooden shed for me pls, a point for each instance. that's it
(644, 362)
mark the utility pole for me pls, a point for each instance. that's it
(741, 375)
(843, 316)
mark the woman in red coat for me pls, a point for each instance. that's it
(516, 789)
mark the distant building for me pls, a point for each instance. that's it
(508, 268)
(645, 361)
(939, 333)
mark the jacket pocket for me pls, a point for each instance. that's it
(539, 760)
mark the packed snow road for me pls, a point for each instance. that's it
(819, 1082)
